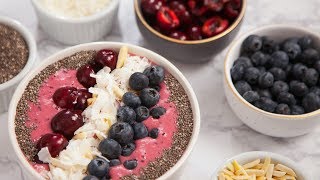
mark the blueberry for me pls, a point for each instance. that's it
(310, 56)
(90, 177)
(98, 167)
(237, 72)
(292, 49)
(154, 133)
(265, 93)
(242, 87)
(110, 148)
(305, 42)
(315, 90)
(142, 113)
(266, 80)
(291, 40)
(149, 97)
(279, 87)
(130, 164)
(283, 109)
(311, 102)
(140, 131)
(252, 43)
(269, 46)
(126, 114)
(157, 112)
(310, 77)
(266, 104)
(114, 162)
(138, 81)
(131, 99)
(156, 87)
(251, 75)
(259, 59)
(128, 149)
(280, 59)
(278, 74)
(288, 70)
(287, 98)
(317, 66)
(121, 132)
(297, 110)
(155, 74)
(298, 70)
(251, 96)
(245, 61)
(298, 89)
(262, 69)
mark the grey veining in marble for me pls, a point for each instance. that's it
(222, 133)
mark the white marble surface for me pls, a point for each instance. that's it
(222, 133)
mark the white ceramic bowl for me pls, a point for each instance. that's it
(247, 157)
(7, 88)
(74, 31)
(97, 46)
(264, 122)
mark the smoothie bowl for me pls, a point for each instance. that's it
(104, 111)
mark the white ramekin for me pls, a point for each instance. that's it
(302, 172)
(74, 31)
(7, 88)
(97, 46)
(264, 122)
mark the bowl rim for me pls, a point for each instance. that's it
(32, 48)
(188, 42)
(227, 74)
(113, 4)
(98, 45)
(252, 155)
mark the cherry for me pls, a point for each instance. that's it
(151, 7)
(179, 35)
(84, 78)
(66, 122)
(96, 66)
(214, 26)
(82, 97)
(167, 19)
(65, 97)
(194, 32)
(181, 11)
(214, 5)
(197, 8)
(55, 143)
(232, 8)
(107, 57)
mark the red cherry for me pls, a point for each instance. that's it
(232, 9)
(55, 143)
(151, 7)
(194, 32)
(179, 35)
(107, 57)
(83, 76)
(214, 26)
(96, 66)
(197, 8)
(65, 97)
(214, 5)
(181, 11)
(167, 19)
(66, 122)
(82, 97)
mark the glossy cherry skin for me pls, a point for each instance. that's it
(194, 32)
(82, 97)
(107, 57)
(167, 19)
(151, 7)
(214, 26)
(214, 5)
(65, 97)
(66, 122)
(182, 12)
(83, 76)
(197, 8)
(179, 35)
(232, 8)
(55, 143)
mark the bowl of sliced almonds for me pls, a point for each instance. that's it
(260, 165)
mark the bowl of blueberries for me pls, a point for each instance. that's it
(190, 31)
(272, 80)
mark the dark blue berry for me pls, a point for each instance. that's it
(126, 114)
(311, 102)
(280, 59)
(310, 77)
(265, 93)
(98, 167)
(298, 70)
(278, 74)
(130, 164)
(292, 49)
(310, 56)
(279, 87)
(269, 46)
(237, 72)
(251, 75)
(140, 131)
(259, 58)
(262, 69)
(252, 43)
(315, 90)
(242, 87)
(110, 148)
(156, 87)
(305, 42)
(114, 162)
(131, 99)
(297, 110)
(287, 98)
(251, 96)
(154, 133)
(266, 104)
(149, 97)
(128, 149)
(245, 61)
(317, 66)
(157, 112)
(266, 80)
(90, 177)
(298, 89)
(142, 113)
(138, 81)
(288, 70)
(121, 132)
(155, 74)
(283, 109)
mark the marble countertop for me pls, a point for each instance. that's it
(222, 133)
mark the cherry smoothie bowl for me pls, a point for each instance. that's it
(104, 111)
(191, 31)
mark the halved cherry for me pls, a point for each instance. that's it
(197, 7)
(181, 11)
(82, 97)
(214, 26)
(107, 57)
(83, 76)
(65, 97)
(214, 5)
(194, 32)
(179, 35)
(167, 19)
(151, 7)
(232, 8)
(55, 143)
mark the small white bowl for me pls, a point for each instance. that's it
(74, 31)
(7, 88)
(97, 46)
(247, 157)
(264, 122)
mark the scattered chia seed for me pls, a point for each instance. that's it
(14, 53)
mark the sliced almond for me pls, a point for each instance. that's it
(269, 171)
(122, 57)
(258, 166)
(253, 177)
(288, 177)
(266, 163)
(230, 167)
(221, 176)
(240, 177)
(225, 171)
(286, 169)
(278, 173)
(251, 164)
(239, 168)
(261, 178)
(118, 92)
(256, 172)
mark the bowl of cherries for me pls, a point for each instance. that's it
(190, 31)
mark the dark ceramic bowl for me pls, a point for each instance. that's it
(198, 51)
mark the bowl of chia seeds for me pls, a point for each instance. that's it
(17, 56)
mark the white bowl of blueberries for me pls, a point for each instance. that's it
(272, 80)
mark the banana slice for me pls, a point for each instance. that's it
(123, 55)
